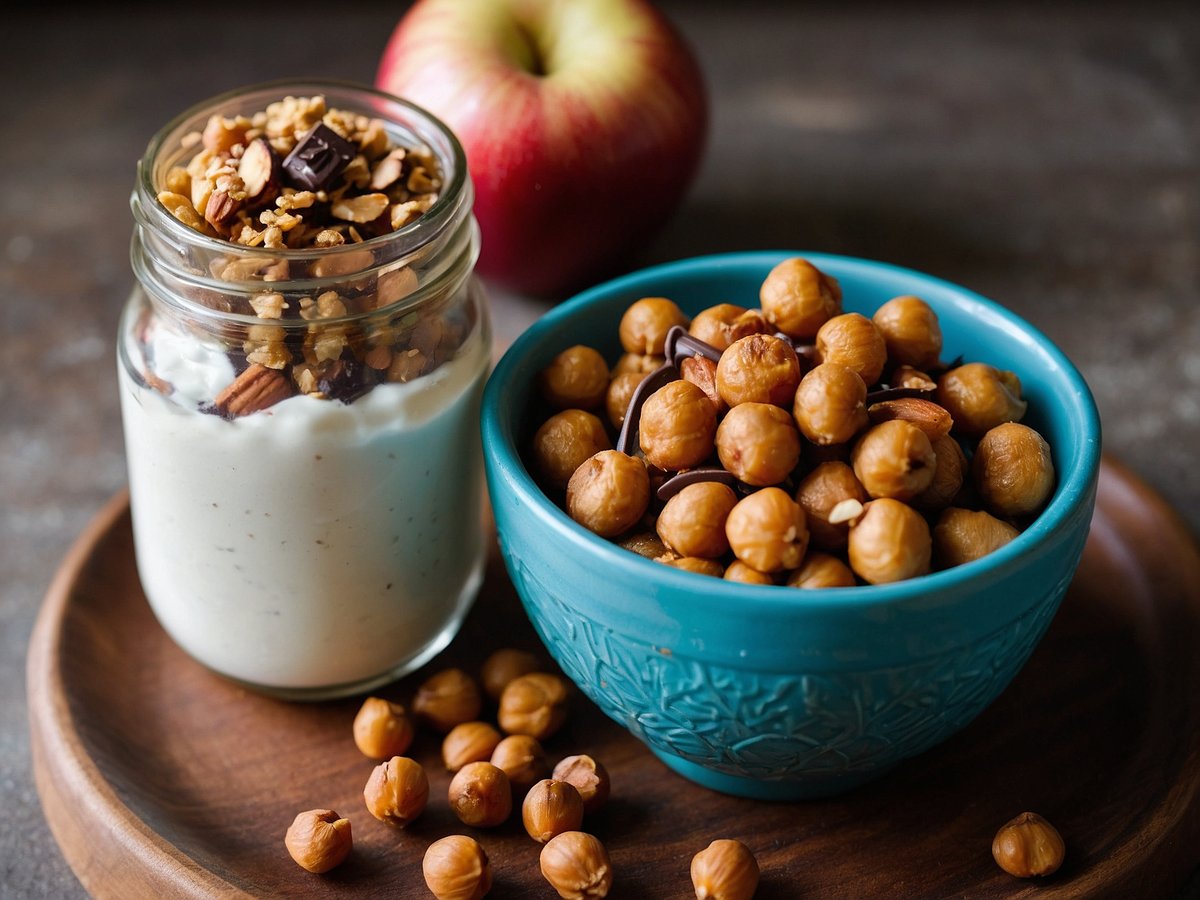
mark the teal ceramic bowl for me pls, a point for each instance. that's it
(771, 692)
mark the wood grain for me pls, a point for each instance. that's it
(159, 778)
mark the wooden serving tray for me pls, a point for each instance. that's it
(161, 779)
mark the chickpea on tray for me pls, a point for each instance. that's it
(792, 443)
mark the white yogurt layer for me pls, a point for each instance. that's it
(314, 543)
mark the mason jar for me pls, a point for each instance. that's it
(301, 410)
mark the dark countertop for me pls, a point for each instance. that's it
(1047, 158)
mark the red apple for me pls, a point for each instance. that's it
(583, 123)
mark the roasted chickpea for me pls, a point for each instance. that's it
(798, 298)
(697, 564)
(503, 665)
(962, 535)
(980, 397)
(577, 866)
(948, 475)
(588, 776)
(852, 340)
(889, 542)
(911, 332)
(644, 543)
(550, 808)
(467, 743)
(457, 868)
(609, 493)
(910, 377)
(480, 795)
(620, 392)
(894, 459)
(645, 324)
(1028, 846)
(534, 704)
(319, 840)
(382, 729)
(822, 489)
(725, 870)
(758, 443)
(564, 442)
(767, 531)
(523, 760)
(821, 570)
(638, 363)
(760, 368)
(693, 521)
(721, 325)
(576, 378)
(1012, 470)
(677, 426)
(830, 404)
(397, 791)
(448, 698)
(743, 574)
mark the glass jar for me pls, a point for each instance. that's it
(301, 425)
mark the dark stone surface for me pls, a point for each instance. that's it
(1046, 157)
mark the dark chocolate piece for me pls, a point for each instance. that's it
(627, 439)
(346, 380)
(677, 483)
(896, 393)
(319, 157)
(681, 344)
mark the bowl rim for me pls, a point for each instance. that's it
(502, 453)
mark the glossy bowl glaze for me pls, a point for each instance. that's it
(771, 692)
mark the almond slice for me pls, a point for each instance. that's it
(362, 209)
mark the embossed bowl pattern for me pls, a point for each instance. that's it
(764, 691)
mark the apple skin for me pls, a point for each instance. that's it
(583, 123)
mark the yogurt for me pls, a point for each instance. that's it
(314, 545)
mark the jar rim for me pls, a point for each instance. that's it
(443, 208)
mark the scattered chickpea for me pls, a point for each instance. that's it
(911, 332)
(480, 795)
(889, 542)
(980, 397)
(677, 426)
(725, 870)
(319, 840)
(457, 868)
(894, 459)
(949, 473)
(821, 570)
(550, 808)
(382, 729)
(522, 759)
(589, 777)
(830, 404)
(448, 698)
(503, 666)
(620, 392)
(576, 378)
(721, 325)
(534, 704)
(397, 791)
(609, 493)
(963, 535)
(577, 866)
(467, 743)
(1028, 845)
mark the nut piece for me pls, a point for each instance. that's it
(550, 808)
(318, 840)
(456, 868)
(382, 729)
(588, 777)
(534, 704)
(260, 170)
(480, 795)
(467, 743)
(576, 865)
(503, 666)
(1028, 845)
(448, 698)
(257, 388)
(725, 870)
(397, 791)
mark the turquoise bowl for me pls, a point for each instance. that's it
(768, 692)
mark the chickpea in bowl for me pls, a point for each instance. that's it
(746, 683)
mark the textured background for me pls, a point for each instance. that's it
(1046, 157)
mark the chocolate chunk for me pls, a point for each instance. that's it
(346, 380)
(681, 344)
(318, 159)
(885, 393)
(677, 483)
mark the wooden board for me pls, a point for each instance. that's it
(159, 778)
